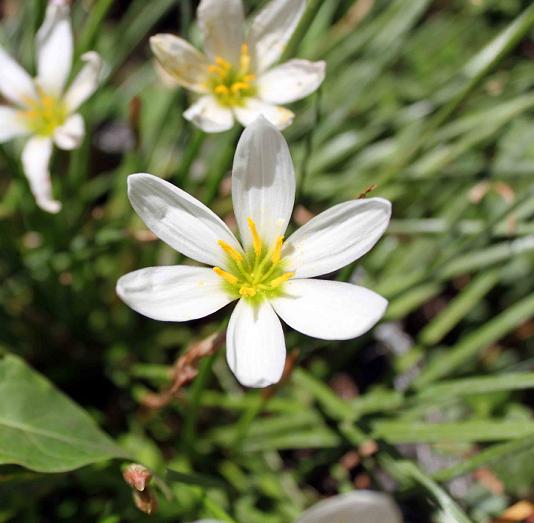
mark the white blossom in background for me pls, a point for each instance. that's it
(235, 78)
(359, 506)
(268, 275)
(42, 108)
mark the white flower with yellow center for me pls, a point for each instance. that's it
(359, 506)
(235, 78)
(267, 275)
(41, 108)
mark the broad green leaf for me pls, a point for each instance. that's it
(41, 428)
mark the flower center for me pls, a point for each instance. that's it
(232, 85)
(257, 274)
(45, 114)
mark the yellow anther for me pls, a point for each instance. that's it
(277, 253)
(226, 276)
(217, 70)
(244, 62)
(44, 114)
(247, 291)
(222, 89)
(228, 249)
(31, 114)
(225, 64)
(256, 240)
(281, 279)
(231, 83)
(240, 86)
(48, 102)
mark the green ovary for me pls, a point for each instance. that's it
(232, 85)
(45, 114)
(259, 273)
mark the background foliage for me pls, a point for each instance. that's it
(433, 102)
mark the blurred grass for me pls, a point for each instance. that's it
(432, 101)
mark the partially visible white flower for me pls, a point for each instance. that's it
(359, 506)
(269, 276)
(42, 108)
(235, 78)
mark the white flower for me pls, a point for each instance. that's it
(269, 276)
(236, 77)
(42, 109)
(359, 506)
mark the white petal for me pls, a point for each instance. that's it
(11, 124)
(278, 116)
(70, 134)
(255, 345)
(16, 84)
(180, 220)
(182, 61)
(271, 30)
(263, 182)
(362, 506)
(336, 237)
(211, 117)
(175, 293)
(54, 49)
(291, 81)
(85, 83)
(222, 24)
(329, 310)
(35, 160)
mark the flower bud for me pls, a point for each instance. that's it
(137, 476)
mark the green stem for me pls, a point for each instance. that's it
(197, 388)
(190, 154)
(308, 146)
(93, 25)
(219, 167)
(302, 29)
(246, 419)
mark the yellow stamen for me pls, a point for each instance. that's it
(228, 249)
(224, 64)
(240, 86)
(277, 253)
(217, 70)
(226, 276)
(244, 62)
(281, 279)
(48, 102)
(232, 84)
(248, 291)
(44, 114)
(256, 240)
(222, 89)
